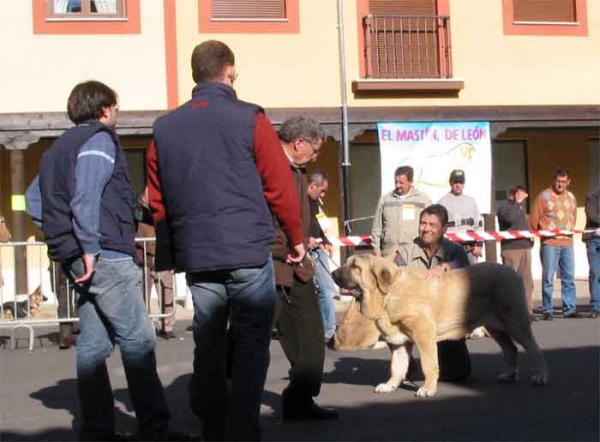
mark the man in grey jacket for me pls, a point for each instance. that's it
(396, 221)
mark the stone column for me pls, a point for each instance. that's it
(17, 144)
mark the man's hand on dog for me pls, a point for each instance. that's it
(89, 265)
(436, 272)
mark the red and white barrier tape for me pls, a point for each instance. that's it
(366, 240)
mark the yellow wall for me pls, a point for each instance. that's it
(293, 70)
(275, 70)
(505, 70)
(39, 71)
(301, 70)
(517, 69)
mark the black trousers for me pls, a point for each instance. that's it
(454, 360)
(300, 328)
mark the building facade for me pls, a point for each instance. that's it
(529, 68)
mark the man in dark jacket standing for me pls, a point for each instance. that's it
(516, 253)
(298, 318)
(215, 168)
(84, 203)
(592, 242)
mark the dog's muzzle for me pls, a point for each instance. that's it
(347, 288)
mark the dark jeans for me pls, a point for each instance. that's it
(64, 297)
(246, 299)
(112, 311)
(593, 254)
(300, 328)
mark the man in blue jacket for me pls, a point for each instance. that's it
(215, 168)
(84, 203)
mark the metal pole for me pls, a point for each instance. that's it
(345, 142)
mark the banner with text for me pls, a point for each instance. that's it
(434, 150)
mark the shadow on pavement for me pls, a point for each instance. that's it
(480, 409)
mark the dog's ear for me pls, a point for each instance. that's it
(384, 275)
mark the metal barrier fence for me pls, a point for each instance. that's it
(34, 290)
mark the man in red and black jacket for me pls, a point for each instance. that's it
(298, 318)
(216, 171)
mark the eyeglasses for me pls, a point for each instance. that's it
(233, 77)
(316, 148)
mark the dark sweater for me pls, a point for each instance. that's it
(592, 214)
(513, 216)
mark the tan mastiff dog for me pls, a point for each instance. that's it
(404, 307)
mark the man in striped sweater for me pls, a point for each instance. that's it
(556, 208)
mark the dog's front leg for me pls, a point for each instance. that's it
(424, 336)
(398, 367)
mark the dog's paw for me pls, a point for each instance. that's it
(396, 339)
(385, 388)
(424, 392)
(478, 333)
(507, 377)
(540, 379)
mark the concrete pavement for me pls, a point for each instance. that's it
(39, 395)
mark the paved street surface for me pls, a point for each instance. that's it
(39, 395)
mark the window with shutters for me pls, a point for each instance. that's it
(86, 16)
(545, 17)
(249, 16)
(405, 40)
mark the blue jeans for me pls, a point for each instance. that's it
(593, 254)
(326, 291)
(244, 299)
(112, 311)
(553, 258)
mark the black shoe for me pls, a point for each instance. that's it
(123, 437)
(116, 437)
(573, 315)
(65, 343)
(212, 431)
(593, 314)
(330, 343)
(547, 317)
(166, 335)
(171, 435)
(312, 412)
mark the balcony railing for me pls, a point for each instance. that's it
(407, 46)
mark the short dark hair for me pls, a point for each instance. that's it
(209, 60)
(562, 171)
(318, 177)
(438, 210)
(407, 171)
(301, 126)
(87, 101)
(513, 191)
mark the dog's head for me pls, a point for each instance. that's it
(365, 273)
(367, 278)
(35, 300)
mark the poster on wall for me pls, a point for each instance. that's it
(434, 150)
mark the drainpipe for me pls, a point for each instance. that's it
(345, 142)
